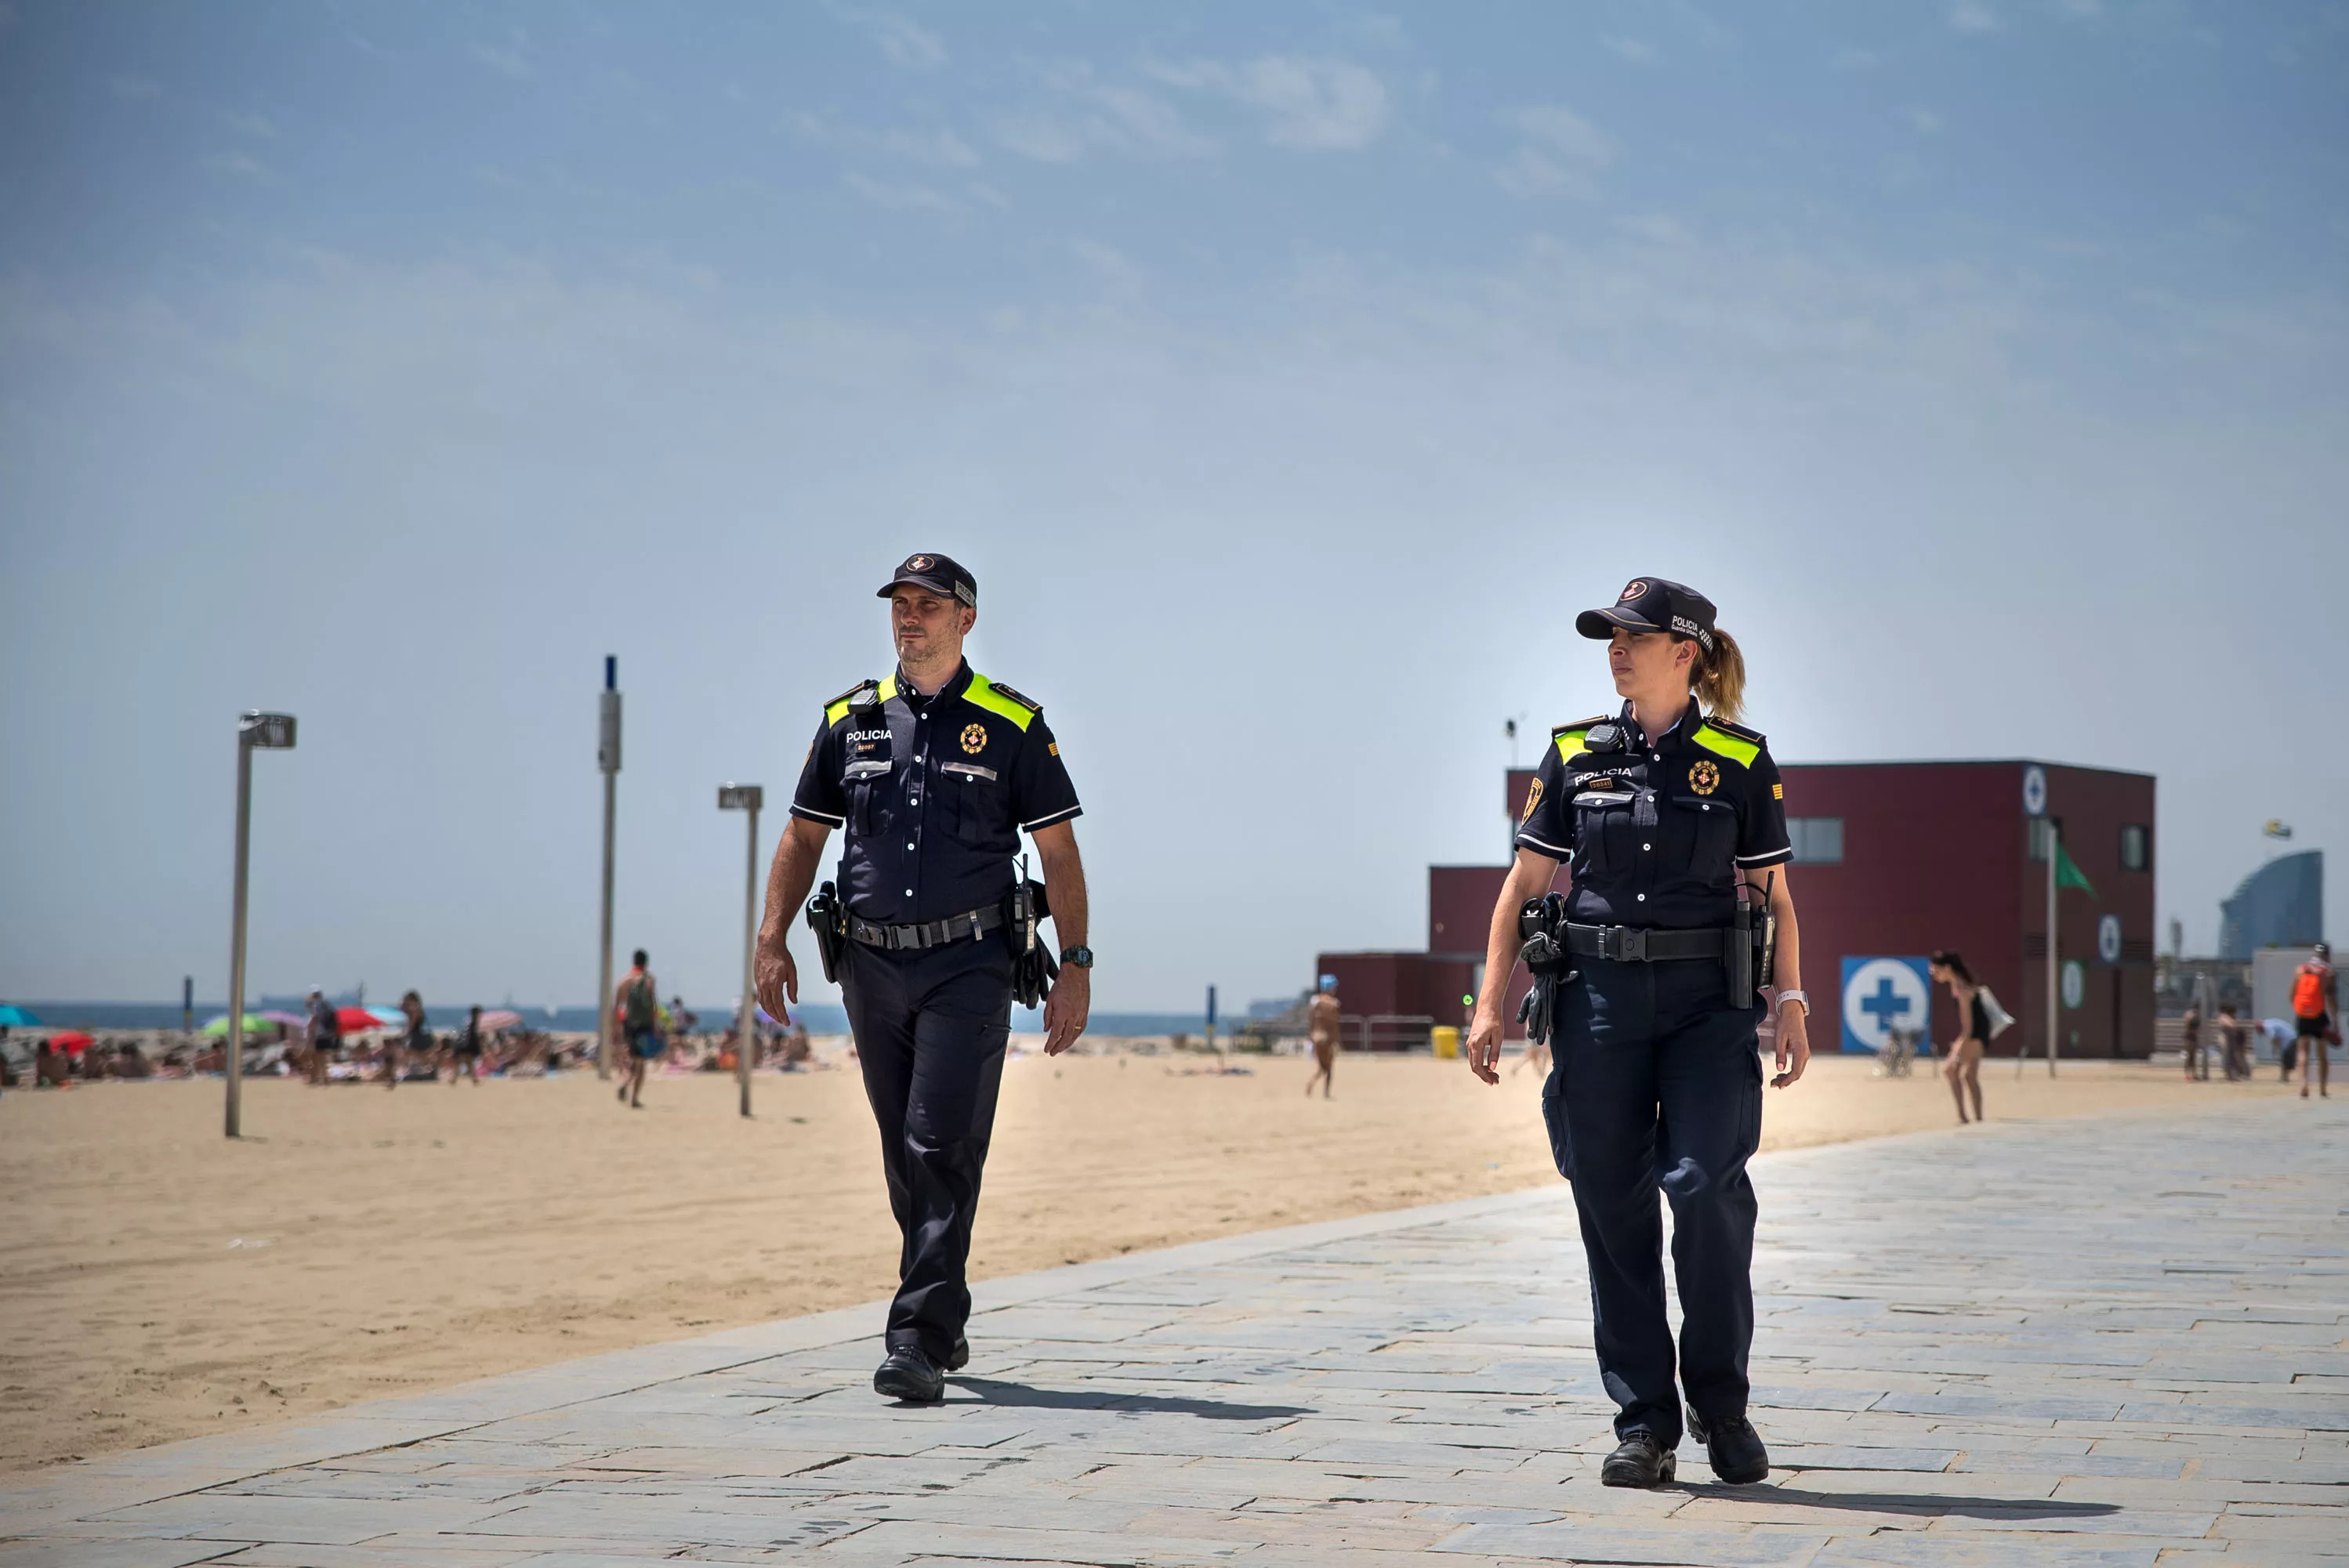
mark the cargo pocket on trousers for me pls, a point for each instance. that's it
(1561, 1142)
(1750, 1116)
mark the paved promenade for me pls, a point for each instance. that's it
(2117, 1343)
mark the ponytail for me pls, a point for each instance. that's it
(1720, 677)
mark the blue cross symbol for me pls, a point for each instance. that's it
(1885, 1004)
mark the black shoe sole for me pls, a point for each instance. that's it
(897, 1383)
(1636, 1476)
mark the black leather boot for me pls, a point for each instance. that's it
(1734, 1447)
(1640, 1460)
(910, 1376)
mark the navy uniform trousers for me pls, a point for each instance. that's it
(931, 1026)
(1657, 1083)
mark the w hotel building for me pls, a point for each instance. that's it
(1892, 861)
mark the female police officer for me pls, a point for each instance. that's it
(1661, 810)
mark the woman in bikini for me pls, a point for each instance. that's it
(1964, 1067)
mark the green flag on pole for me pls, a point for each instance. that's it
(2068, 872)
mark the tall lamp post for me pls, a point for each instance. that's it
(607, 758)
(746, 798)
(254, 732)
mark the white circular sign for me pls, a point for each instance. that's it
(2076, 983)
(2035, 790)
(2108, 939)
(1882, 995)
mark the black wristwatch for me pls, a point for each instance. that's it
(1077, 958)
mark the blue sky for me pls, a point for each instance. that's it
(1288, 375)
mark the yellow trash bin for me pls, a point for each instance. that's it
(1447, 1042)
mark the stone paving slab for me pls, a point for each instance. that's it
(2109, 1343)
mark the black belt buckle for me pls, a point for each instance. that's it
(1624, 944)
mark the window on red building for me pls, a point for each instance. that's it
(2136, 847)
(1817, 841)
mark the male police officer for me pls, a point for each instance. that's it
(932, 772)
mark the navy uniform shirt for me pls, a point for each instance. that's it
(1657, 832)
(932, 792)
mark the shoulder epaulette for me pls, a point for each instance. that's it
(1567, 737)
(837, 708)
(1734, 741)
(997, 698)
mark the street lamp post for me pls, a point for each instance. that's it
(746, 798)
(262, 732)
(607, 758)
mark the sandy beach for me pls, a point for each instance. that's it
(159, 1281)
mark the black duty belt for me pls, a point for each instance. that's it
(1638, 944)
(930, 934)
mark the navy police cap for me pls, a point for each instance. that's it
(1653, 604)
(939, 574)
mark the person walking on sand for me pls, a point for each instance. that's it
(637, 1001)
(1321, 1027)
(465, 1051)
(2315, 1003)
(1673, 817)
(415, 1045)
(2190, 1033)
(320, 1036)
(2234, 1044)
(1963, 1068)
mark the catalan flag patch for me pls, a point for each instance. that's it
(1778, 792)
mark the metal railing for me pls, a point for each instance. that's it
(1384, 1031)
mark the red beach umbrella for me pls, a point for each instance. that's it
(72, 1040)
(356, 1020)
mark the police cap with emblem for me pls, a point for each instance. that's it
(938, 574)
(1653, 604)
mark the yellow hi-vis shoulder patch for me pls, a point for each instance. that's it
(984, 693)
(1714, 738)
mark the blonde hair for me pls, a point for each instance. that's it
(1719, 678)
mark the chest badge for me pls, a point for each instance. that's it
(1533, 799)
(974, 738)
(1704, 777)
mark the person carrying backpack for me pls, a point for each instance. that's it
(637, 1001)
(2315, 1001)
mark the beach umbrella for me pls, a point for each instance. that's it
(252, 1024)
(496, 1018)
(72, 1040)
(356, 1020)
(389, 1017)
(15, 1017)
(291, 1020)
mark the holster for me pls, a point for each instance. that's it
(1738, 954)
(1540, 924)
(829, 921)
(1033, 967)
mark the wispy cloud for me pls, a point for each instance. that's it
(1331, 105)
(255, 126)
(1921, 120)
(903, 42)
(1852, 58)
(1973, 17)
(937, 147)
(1097, 116)
(1638, 51)
(133, 88)
(2081, 8)
(1562, 154)
(898, 198)
(511, 58)
(237, 166)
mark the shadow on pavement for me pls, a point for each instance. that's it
(1020, 1395)
(1927, 1504)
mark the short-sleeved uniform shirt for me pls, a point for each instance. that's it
(1657, 832)
(931, 793)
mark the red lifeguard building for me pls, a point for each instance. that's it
(1892, 861)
